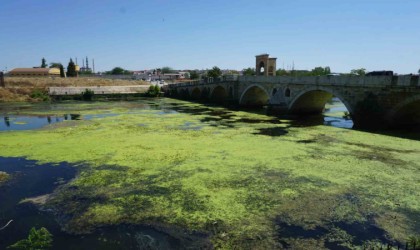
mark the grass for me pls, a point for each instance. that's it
(223, 178)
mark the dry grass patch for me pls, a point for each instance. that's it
(42, 82)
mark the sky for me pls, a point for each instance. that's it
(199, 34)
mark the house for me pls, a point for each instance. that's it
(35, 72)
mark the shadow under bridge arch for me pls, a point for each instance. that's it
(406, 114)
(196, 93)
(219, 94)
(313, 100)
(255, 96)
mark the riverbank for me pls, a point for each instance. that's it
(32, 89)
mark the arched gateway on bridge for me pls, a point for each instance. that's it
(265, 66)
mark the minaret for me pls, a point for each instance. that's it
(93, 65)
(87, 63)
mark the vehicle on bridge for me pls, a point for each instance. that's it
(381, 73)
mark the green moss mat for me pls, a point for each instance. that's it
(225, 178)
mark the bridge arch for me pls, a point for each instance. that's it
(205, 92)
(287, 92)
(184, 93)
(196, 93)
(218, 94)
(406, 113)
(254, 95)
(230, 92)
(312, 101)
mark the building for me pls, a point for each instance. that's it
(35, 72)
(176, 76)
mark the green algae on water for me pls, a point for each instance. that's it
(225, 178)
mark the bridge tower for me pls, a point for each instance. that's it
(264, 65)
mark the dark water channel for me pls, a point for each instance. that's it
(29, 179)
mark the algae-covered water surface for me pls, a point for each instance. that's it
(210, 177)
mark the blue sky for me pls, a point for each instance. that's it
(373, 34)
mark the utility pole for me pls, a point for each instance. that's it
(2, 80)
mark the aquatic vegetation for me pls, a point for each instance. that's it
(234, 177)
(3, 177)
(37, 240)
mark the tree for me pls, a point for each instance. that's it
(282, 72)
(327, 70)
(249, 72)
(194, 75)
(55, 65)
(214, 72)
(418, 71)
(117, 71)
(44, 63)
(360, 72)
(320, 71)
(85, 72)
(71, 69)
(166, 70)
(62, 74)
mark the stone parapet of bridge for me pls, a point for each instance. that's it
(336, 80)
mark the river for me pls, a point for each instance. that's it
(168, 174)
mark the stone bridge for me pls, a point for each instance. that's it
(372, 101)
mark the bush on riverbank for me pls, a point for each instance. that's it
(87, 95)
(154, 91)
(40, 94)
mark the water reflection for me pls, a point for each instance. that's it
(7, 121)
(26, 122)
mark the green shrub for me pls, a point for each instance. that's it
(40, 94)
(87, 95)
(154, 91)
